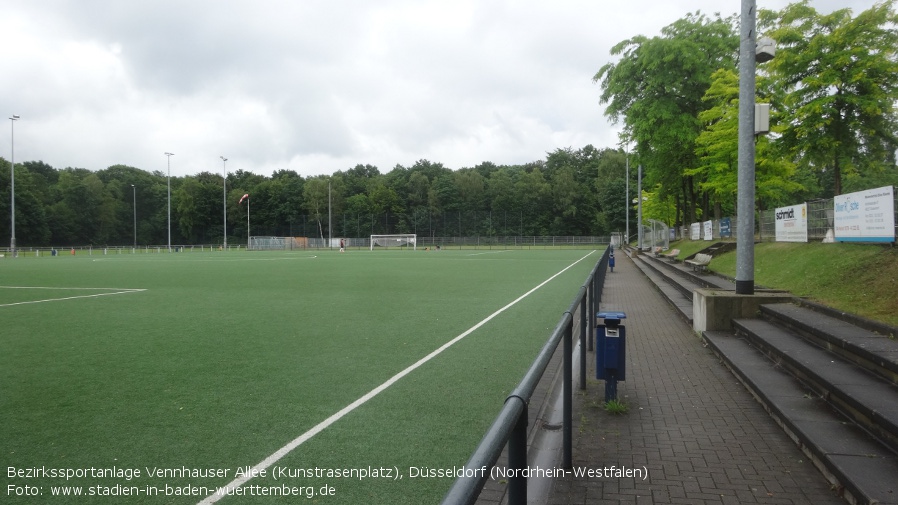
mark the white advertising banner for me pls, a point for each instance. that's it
(792, 223)
(695, 231)
(708, 227)
(865, 216)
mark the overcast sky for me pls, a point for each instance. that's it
(315, 86)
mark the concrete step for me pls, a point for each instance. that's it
(858, 465)
(684, 271)
(869, 350)
(866, 399)
(674, 293)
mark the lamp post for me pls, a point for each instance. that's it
(639, 208)
(12, 178)
(224, 185)
(750, 54)
(168, 156)
(627, 199)
(134, 204)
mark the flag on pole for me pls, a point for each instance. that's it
(244, 197)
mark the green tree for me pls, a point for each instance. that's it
(838, 72)
(656, 89)
(315, 196)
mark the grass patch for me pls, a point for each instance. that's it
(616, 407)
(856, 278)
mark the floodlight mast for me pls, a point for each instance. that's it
(134, 205)
(751, 52)
(168, 156)
(12, 178)
(224, 186)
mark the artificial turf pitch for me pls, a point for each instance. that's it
(185, 368)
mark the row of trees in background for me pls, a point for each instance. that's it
(832, 89)
(571, 192)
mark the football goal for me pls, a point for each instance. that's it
(397, 240)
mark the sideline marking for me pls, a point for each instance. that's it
(224, 491)
(222, 260)
(490, 252)
(115, 291)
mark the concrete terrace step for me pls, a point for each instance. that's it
(674, 293)
(872, 351)
(684, 271)
(866, 399)
(856, 463)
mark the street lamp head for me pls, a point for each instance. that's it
(14, 117)
(223, 158)
(169, 154)
(765, 50)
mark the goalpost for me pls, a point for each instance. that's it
(395, 240)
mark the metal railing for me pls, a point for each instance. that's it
(510, 426)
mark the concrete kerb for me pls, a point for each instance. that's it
(715, 309)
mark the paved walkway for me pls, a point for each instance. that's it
(691, 426)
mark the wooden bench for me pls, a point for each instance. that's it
(700, 262)
(672, 254)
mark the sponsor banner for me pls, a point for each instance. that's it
(726, 230)
(695, 231)
(708, 227)
(865, 216)
(792, 223)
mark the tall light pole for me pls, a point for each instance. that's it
(134, 204)
(168, 156)
(627, 199)
(12, 178)
(641, 233)
(224, 185)
(750, 54)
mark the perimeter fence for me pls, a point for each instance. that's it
(509, 429)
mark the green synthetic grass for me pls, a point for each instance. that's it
(226, 357)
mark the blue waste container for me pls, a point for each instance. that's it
(611, 351)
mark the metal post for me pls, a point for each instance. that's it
(12, 178)
(745, 213)
(134, 204)
(627, 202)
(584, 331)
(567, 457)
(593, 305)
(168, 156)
(224, 186)
(517, 460)
(639, 208)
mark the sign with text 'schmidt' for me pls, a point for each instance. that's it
(792, 223)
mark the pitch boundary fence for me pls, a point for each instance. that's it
(510, 426)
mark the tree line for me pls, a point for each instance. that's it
(832, 86)
(561, 195)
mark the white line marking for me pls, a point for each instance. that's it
(213, 260)
(318, 428)
(115, 291)
(491, 252)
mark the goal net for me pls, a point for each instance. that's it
(397, 240)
